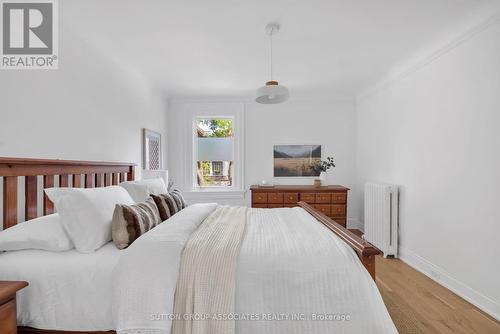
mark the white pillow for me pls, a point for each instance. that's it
(86, 213)
(140, 190)
(40, 233)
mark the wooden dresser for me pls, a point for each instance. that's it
(331, 200)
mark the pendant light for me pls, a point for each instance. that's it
(272, 92)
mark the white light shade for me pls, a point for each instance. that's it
(215, 149)
(271, 94)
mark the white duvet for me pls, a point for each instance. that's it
(67, 290)
(294, 276)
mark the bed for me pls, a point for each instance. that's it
(351, 285)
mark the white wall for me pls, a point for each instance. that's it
(88, 109)
(302, 121)
(436, 133)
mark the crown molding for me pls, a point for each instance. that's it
(415, 64)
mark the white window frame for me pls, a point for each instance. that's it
(193, 111)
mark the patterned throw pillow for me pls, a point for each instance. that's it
(169, 204)
(181, 203)
(131, 221)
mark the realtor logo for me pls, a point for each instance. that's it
(29, 34)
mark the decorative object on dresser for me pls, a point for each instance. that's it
(265, 184)
(8, 315)
(330, 200)
(322, 167)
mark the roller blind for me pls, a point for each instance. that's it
(215, 149)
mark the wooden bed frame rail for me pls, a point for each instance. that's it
(86, 174)
(365, 250)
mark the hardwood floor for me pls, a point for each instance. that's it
(417, 304)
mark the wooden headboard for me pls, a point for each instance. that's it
(86, 174)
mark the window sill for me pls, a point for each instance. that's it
(214, 194)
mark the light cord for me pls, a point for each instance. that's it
(271, 48)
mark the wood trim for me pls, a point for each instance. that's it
(131, 173)
(27, 167)
(48, 206)
(88, 180)
(30, 197)
(77, 180)
(98, 180)
(116, 178)
(365, 250)
(22, 170)
(13, 168)
(8, 289)
(298, 188)
(63, 180)
(29, 330)
(9, 201)
(60, 162)
(8, 316)
(107, 179)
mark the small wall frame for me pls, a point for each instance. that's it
(152, 157)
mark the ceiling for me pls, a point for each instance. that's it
(219, 48)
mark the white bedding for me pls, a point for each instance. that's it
(138, 298)
(289, 265)
(67, 290)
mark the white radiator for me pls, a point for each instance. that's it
(381, 217)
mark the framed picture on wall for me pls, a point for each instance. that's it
(296, 160)
(152, 159)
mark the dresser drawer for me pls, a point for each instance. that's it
(308, 197)
(275, 205)
(290, 205)
(323, 208)
(339, 198)
(323, 198)
(338, 210)
(275, 198)
(259, 197)
(259, 205)
(290, 198)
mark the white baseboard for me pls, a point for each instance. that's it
(354, 223)
(444, 278)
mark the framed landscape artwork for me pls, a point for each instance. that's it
(296, 160)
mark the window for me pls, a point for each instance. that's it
(214, 152)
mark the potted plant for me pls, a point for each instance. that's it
(322, 167)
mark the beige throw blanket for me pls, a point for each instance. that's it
(207, 278)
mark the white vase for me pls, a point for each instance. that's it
(323, 178)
